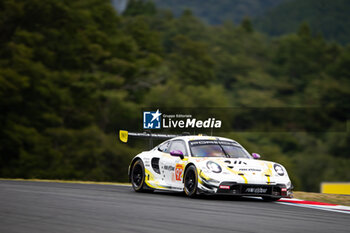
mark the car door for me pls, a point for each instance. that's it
(173, 166)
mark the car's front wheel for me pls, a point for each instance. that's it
(191, 181)
(138, 176)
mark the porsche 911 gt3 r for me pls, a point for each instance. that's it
(208, 165)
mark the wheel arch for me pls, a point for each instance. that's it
(187, 166)
(133, 161)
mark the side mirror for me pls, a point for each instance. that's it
(256, 156)
(177, 153)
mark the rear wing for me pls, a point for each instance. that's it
(124, 136)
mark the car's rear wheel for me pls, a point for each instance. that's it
(270, 198)
(138, 176)
(191, 181)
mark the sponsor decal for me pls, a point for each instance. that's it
(147, 162)
(256, 190)
(201, 159)
(212, 142)
(250, 169)
(178, 171)
(239, 162)
(224, 187)
(169, 168)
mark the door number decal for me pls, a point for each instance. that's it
(178, 171)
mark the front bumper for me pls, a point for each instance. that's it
(260, 190)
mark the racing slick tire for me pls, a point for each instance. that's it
(138, 177)
(269, 199)
(191, 181)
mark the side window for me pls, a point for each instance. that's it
(178, 145)
(164, 147)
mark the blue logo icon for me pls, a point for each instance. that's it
(151, 120)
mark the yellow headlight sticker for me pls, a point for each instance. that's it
(268, 179)
(245, 179)
(201, 174)
(200, 178)
(268, 173)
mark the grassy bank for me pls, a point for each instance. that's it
(323, 197)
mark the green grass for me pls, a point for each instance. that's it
(323, 197)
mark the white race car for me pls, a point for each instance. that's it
(206, 165)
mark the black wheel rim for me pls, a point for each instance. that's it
(137, 175)
(190, 181)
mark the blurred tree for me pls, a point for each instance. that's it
(215, 12)
(140, 7)
(192, 61)
(329, 18)
(247, 25)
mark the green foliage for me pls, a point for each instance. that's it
(191, 61)
(215, 12)
(274, 17)
(139, 7)
(247, 25)
(72, 73)
(330, 18)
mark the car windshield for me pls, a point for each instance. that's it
(216, 148)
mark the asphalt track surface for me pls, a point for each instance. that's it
(60, 207)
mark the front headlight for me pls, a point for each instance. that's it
(278, 169)
(213, 167)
